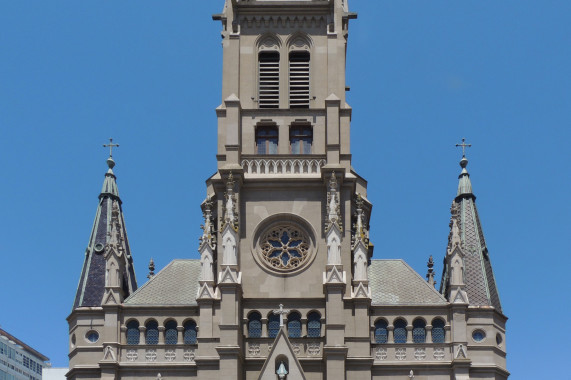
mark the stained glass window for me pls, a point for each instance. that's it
(294, 325)
(381, 332)
(438, 332)
(313, 325)
(301, 138)
(273, 325)
(190, 332)
(255, 325)
(266, 140)
(152, 336)
(133, 334)
(400, 331)
(171, 333)
(418, 331)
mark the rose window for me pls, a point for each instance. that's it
(285, 247)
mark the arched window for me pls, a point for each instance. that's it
(381, 332)
(313, 325)
(300, 139)
(269, 79)
(273, 325)
(266, 139)
(171, 333)
(255, 325)
(400, 331)
(133, 334)
(152, 335)
(419, 331)
(294, 325)
(190, 332)
(299, 79)
(438, 332)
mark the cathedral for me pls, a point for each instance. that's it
(286, 286)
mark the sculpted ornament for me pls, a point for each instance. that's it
(381, 353)
(360, 244)
(189, 355)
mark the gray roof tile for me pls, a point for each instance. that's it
(175, 285)
(394, 282)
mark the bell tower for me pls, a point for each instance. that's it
(291, 213)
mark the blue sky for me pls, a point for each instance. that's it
(423, 75)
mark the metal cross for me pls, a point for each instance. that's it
(281, 312)
(110, 146)
(464, 146)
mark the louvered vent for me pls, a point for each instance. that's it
(269, 84)
(299, 80)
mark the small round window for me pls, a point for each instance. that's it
(284, 246)
(92, 336)
(478, 336)
(499, 339)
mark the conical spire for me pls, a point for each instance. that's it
(465, 225)
(91, 286)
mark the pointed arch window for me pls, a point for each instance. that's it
(190, 332)
(313, 325)
(381, 332)
(133, 334)
(273, 325)
(171, 332)
(299, 79)
(301, 138)
(400, 331)
(294, 325)
(419, 331)
(152, 335)
(266, 139)
(438, 332)
(269, 79)
(255, 325)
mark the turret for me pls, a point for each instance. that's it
(466, 234)
(108, 250)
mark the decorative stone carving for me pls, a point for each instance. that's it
(207, 242)
(132, 355)
(400, 353)
(170, 355)
(297, 348)
(297, 166)
(381, 353)
(439, 353)
(254, 349)
(313, 348)
(188, 355)
(151, 355)
(285, 247)
(420, 353)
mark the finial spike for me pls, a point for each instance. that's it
(151, 269)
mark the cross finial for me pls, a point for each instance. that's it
(281, 312)
(110, 146)
(464, 146)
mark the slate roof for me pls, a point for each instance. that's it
(175, 285)
(91, 285)
(394, 282)
(478, 276)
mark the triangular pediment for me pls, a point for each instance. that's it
(282, 350)
(206, 292)
(109, 299)
(334, 276)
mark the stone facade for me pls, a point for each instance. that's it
(286, 287)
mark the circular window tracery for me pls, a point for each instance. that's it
(285, 247)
